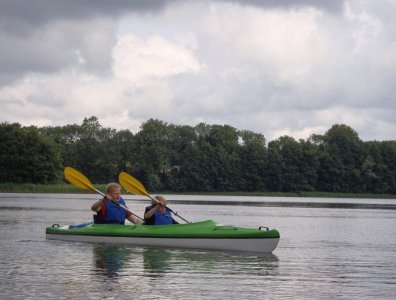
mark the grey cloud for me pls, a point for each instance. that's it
(27, 48)
(31, 42)
(55, 47)
(41, 11)
(332, 5)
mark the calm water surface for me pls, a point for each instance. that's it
(326, 251)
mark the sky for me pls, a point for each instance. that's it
(276, 67)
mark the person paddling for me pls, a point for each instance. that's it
(157, 213)
(109, 209)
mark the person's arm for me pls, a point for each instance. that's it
(151, 212)
(98, 205)
(134, 219)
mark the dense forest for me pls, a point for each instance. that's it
(204, 158)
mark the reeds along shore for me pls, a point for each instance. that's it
(70, 189)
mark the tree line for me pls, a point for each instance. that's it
(203, 158)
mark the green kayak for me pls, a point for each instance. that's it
(207, 235)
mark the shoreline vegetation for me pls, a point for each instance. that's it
(202, 158)
(70, 189)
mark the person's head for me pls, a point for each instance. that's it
(162, 201)
(114, 190)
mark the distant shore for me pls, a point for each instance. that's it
(71, 189)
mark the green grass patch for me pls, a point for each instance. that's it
(45, 188)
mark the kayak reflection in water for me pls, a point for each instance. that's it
(157, 262)
(110, 259)
(109, 209)
(157, 213)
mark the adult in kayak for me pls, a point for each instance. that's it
(157, 213)
(110, 209)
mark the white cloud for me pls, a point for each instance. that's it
(137, 59)
(274, 70)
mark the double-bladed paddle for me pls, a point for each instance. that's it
(79, 180)
(133, 185)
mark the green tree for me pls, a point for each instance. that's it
(254, 157)
(290, 157)
(123, 143)
(153, 152)
(309, 165)
(65, 137)
(341, 160)
(182, 138)
(226, 163)
(384, 166)
(26, 156)
(196, 170)
(389, 159)
(273, 176)
(96, 154)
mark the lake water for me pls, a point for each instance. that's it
(329, 249)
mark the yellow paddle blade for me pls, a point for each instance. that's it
(78, 179)
(131, 184)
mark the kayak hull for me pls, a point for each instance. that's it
(206, 235)
(224, 244)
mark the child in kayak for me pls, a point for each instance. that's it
(109, 209)
(157, 213)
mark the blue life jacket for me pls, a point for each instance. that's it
(114, 213)
(163, 219)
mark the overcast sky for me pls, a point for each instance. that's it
(292, 67)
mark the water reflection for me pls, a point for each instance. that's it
(110, 260)
(157, 262)
(117, 261)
